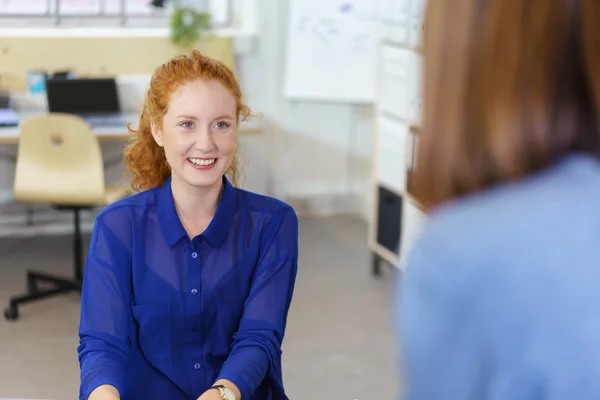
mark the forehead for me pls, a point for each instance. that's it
(202, 97)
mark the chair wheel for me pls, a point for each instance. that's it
(11, 313)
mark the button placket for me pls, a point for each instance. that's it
(194, 289)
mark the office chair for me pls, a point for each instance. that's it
(59, 162)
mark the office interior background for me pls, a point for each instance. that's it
(334, 87)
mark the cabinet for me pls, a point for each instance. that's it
(396, 217)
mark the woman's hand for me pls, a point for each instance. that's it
(106, 392)
(214, 394)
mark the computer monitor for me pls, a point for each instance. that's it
(83, 96)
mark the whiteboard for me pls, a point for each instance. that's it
(332, 50)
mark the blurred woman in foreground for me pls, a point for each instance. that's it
(500, 297)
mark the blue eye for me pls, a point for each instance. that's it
(222, 125)
(187, 124)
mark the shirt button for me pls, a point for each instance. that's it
(197, 365)
(194, 255)
(194, 291)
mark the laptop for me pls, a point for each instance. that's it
(8, 118)
(96, 100)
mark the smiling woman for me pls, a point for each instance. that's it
(185, 126)
(199, 131)
(188, 283)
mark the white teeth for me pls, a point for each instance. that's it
(198, 161)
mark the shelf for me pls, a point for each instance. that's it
(397, 113)
(398, 118)
(402, 45)
(414, 201)
(405, 194)
(384, 253)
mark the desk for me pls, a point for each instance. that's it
(10, 135)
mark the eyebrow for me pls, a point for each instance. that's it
(186, 116)
(225, 117)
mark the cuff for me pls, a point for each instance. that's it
(246, 368)
(244, 385)
(91, 384)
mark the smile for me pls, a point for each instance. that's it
(202, 161)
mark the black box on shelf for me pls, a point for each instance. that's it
(389, 219)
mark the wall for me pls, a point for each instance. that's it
(317, 156)
(92, 55)
(327, 163)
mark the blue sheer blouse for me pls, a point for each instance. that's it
(164, 316)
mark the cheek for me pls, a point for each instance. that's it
(177, 144)
(227, 144)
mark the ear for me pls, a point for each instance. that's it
(157, 135)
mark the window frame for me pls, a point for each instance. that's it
(58, 19)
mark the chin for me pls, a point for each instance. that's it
(204, 183)
(203, 180)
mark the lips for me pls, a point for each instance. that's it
(202, 163)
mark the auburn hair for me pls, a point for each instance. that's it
(144, 158)
(509, 88)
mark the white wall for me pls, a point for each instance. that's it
(325, 149)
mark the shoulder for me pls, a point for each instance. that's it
(123, 211)
(525, 205)
(276, 216)
(266, 206)
(505, 223)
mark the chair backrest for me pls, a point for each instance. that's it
(59, 161)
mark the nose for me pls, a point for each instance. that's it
(204, 140)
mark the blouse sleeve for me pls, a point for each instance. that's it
(441, 339)
(104, 327)
(257, 344)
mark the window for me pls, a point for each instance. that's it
(105, 13)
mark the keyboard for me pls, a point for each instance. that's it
(108, 120)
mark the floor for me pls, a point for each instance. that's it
(339, 342)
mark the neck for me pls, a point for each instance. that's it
(193, 203)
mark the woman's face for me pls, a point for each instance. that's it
(199, 133)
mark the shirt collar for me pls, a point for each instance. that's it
(216, 232)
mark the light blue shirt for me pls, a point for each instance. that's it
(501, 297)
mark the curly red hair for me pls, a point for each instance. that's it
(145, 159)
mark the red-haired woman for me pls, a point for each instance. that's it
(188, 283)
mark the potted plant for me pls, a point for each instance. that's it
(188, 25)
